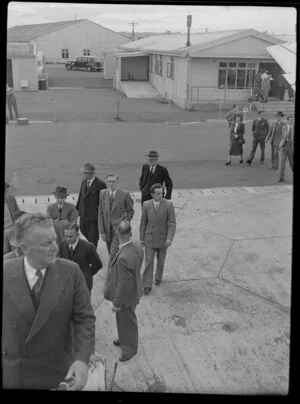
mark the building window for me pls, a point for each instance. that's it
(171, 69)
(86, 52)
(151, 63)
(236, 76)
(159, 65)
(65, 53)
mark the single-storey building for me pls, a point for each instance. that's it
(63, 40)
(22, 66)
(216, 66)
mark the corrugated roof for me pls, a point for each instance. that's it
(177, 42)
(25, 33)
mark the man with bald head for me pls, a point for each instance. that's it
(124, 290)
(48, 326)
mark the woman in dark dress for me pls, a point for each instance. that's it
(237, 130)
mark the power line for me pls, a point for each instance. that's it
(133, 25)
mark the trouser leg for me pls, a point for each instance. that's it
(10, 110)
(83, 226)
(161, 257)
(147, 277)
(262, 148)
(127, 330)
(276, 154)
(254, 147)
(291, 158)
(283, 156)
(272, 157)
(15, 107)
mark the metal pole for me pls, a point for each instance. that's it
(220, 109)
(53, 109)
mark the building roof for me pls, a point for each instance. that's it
(285, 56)
(176, 43)
(25, 33)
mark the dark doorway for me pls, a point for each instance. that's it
(9, 75)
(275, 70)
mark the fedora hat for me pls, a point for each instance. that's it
(88, 168)
(280, 113)
(152, 154)
(61, 191)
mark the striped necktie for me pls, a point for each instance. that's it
(37, 287)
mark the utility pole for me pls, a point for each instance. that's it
(133, 24)
(188, 24)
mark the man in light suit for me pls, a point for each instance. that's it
(61, 212)
(274, 137)
(88, 203)
(46, 307)
(157, 230)
(115, 205)
(80, 251)
(154, 173)
(286, 147)
(124, 290)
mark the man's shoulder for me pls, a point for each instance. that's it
(99, 182)
(167, 202)
(85, 243)
(66, 267)
(148, 203)
(69, 205)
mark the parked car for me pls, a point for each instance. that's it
(89, 63)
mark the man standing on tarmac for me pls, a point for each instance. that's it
(260, 129)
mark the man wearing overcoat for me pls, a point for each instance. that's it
(274, 137)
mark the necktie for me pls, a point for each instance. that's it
(71, 251)
(152, 170)
(37, 287)
(155, 207)
(60, 210)
(111, 199)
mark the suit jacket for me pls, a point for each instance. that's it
(160, 176)
(88, 200)
(36, 345)
(68, 214)
(86, 256)
(271, 134)
(7, 236)
(124, 284)
(11, 203)
(285, 131)
(122, 208)
(240, 130)
(260, 127)
(157, 227)
(10, 255)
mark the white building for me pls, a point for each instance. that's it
(217, 65)
(64, 40)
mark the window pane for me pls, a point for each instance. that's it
(240, 80)
(250, 78)
(232, 64)
(252, 65)
(242, 64)
(231, 78)
(223, 64)
(222, 78)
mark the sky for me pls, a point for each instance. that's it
(157, 18)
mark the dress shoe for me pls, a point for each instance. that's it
(158, 282)
(280, 180)
(249, 162)
(124, 358)
(116, 342)
(228, 162)
(147, 291)
(241, 161)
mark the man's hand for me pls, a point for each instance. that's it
(114, 309)
(103, 236)
(142, 243)
(168, 243)
(79, 372)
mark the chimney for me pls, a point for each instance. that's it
(188, 24)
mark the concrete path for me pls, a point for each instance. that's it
(220, 320)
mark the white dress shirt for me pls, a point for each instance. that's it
(74, 245)
(153, 168)
(113, 193)
(30, 273)
(156, 204)
(90, 181)
(122, 245)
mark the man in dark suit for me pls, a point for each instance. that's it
(61, 212)
(80, 251)
(157, 230)
(153, 173)
(48, 324)
(260, 129)
(286, 147)
(115, 205)
(274, 137)
(88, 203)
(124, 290)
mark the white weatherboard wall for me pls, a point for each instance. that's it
(25, 69)
(204, 74)
(109, 64)
(76, 37)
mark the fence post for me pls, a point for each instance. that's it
(117, 117)
(220, 109)
(54, 110)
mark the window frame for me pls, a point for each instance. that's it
(86, 52)
(65, 53)
(226, 66)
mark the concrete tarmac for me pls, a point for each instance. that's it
(220, 320)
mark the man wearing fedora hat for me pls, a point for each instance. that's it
(274, 138)
(154, 173)
(88, 203)
(61, 212)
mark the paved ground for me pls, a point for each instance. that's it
(40, 157)
(220, 320)
(59, 76)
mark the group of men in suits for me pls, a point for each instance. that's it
(48, 320)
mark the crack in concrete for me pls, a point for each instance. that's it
(227, 255)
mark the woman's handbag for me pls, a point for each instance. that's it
(241, 140)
